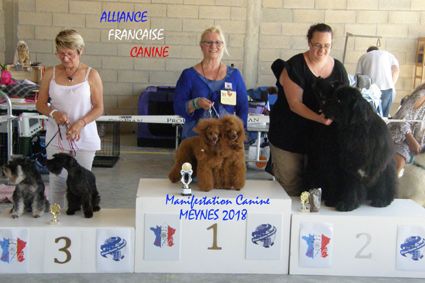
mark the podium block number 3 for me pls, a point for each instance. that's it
(64, 249)
(214, 244)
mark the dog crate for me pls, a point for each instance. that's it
(4, 143)
(156, 100)
(21, 146)
(109, 153)
(3, 148)
(22, 140)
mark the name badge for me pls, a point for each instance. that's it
(228, 97)
(227, 85)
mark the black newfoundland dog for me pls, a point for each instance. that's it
(352, 159)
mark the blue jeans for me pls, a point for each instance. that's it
(386, 101)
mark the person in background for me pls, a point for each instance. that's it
(71, 95)
(296, 110)
(409, 137)
(210, 88)
(383, 68)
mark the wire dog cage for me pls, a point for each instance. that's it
(109, 154)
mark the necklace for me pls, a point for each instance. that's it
(203, 72)
(315, 67)
(71, 77)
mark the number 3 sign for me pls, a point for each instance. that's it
(63, 251)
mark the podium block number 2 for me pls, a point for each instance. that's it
(214, 244)
(361, 253)
(64, 249)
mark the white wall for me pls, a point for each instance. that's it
(257, 33)
(2, 40)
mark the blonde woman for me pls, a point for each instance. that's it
(210, 88)
(75, 91)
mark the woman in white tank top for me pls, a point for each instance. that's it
(76, 101)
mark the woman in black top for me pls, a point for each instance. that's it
(296, 110)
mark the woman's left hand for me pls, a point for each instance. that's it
(325, 121)
(74, 129)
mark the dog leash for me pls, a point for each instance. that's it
(73, 146)
(215, 112)
(57, 132)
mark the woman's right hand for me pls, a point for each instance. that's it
(204, 103)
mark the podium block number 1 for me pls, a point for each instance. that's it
(214, 244)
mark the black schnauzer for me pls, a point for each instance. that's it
(29, 191)
(81, 184)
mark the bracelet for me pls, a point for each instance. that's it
(84, 121)
(195, 103)
(51, 113)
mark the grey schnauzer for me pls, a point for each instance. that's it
(81, 184)
(29, 188)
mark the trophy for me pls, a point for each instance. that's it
(186, 179)
(55, 210)
(304, 198)
(314, 198)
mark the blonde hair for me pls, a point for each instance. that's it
(71, 39)
(219, 31)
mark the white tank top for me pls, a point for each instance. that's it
(75, 101)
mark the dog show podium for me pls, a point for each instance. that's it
(104, 243)
(257, 230)
(368, 241)
(221, 231)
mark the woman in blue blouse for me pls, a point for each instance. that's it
(210, 88)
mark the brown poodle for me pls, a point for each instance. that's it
(203, 152)
(233, 172)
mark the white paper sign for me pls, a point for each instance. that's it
(264, 237)
(410, 250)
(228, 97)
(14, 250)
(162, 237)
(315, 245)
(114, 250)
(63, 252)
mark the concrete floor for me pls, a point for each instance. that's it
(118, 186)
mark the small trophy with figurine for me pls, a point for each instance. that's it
(314, 199)
(304, 198)
(55, 210)
(186, 179)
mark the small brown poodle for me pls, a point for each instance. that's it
(233, 172)
(203, 152)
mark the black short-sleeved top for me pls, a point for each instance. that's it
(288, 130)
